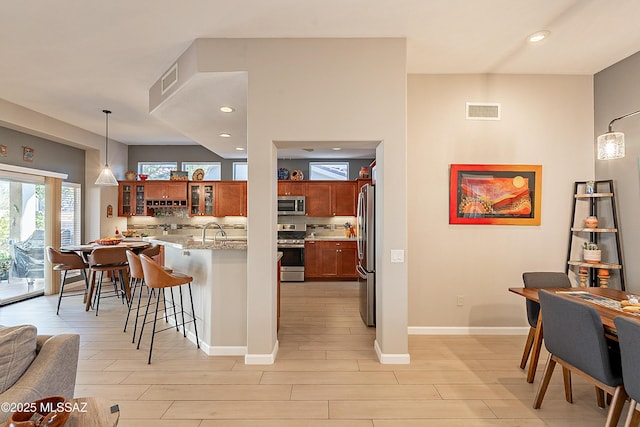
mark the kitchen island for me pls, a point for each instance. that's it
(219, 271)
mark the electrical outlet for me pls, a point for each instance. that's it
(460, 300)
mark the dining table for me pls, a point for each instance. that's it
(606, 301)
(136, 246)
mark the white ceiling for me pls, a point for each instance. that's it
(69, 59)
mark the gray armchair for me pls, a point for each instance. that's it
(52, 372)
(629, 336)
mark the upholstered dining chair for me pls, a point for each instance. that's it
(629, 337)
(67, 262)
(538, 279)
(107, 259)
(574, 337)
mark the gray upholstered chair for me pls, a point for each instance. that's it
(629, 336)
(538, 279)
(574, 337)
(52, 372)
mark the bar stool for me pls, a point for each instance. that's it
(151, 251)
(104, 260)
(137, 284)
(157, 278)
(66, 262)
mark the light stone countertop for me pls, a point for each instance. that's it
(189, 242)
(346, 239)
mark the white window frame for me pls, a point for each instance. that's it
(316, 175)
(203, 165)
(235, 171)
(142, 164)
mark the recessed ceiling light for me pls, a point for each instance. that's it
(240, 148)
(336, 148)
(538, 37)
(224, 135)
(226, 109)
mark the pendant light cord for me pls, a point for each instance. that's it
(106, 137)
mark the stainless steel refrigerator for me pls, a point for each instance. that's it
(367, 254)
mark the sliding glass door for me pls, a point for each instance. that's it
(22, 230)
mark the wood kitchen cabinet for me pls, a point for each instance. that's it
(131, 197)
(231, 198)
(200, 198)
(292, 188)
(330, 259)
(334, 198)
(168, 190)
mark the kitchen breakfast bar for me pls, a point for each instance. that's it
(219, 271)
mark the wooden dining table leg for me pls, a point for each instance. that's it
(535, 351)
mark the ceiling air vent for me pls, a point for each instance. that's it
(169, 79)
(483, 111)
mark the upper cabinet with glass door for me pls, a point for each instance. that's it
(201, 198)
(131, 195)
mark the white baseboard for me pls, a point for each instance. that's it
(468, 330)
(262, 359)
(391, 359)
(218, 350)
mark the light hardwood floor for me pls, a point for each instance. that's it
(326, 373)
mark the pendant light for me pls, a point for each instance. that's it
(611, 144)
(106, 175)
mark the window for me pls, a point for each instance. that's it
(157, 170)
(212, 170)
(240, 171)
(70, 214)
(338, 171)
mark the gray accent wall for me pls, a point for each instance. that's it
(616, 93)
(48, 155)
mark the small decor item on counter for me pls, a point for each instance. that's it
(283, 173)
(296, 175)
(590, 187)
(364, 172)
(130, 175)
(118, 233)
(198, 175)
(591, 253)
(591, 222)
(143, 176)
(130, 233)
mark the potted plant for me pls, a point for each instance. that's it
(591, 253)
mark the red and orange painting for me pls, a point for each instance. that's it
(495, 194)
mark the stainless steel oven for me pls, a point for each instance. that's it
(291, 244)
(291, 205)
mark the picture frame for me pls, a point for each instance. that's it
(495, 194)
(4, 151)
(179, 176)
(27, 154)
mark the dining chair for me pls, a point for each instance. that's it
(629, 337)
(108, 259)
(574, 337)
(538, 279)
(67, 262)
(152, 250)
(159, 279)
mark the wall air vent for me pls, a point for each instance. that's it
(169, 79)
(483, 111)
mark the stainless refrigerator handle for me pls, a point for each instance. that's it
(361, 271)
(361, 218)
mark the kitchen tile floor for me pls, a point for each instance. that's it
(326, 373)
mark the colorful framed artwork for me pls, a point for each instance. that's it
(495, 194)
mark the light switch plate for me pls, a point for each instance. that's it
(397, 255)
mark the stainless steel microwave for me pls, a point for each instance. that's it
(291, 205)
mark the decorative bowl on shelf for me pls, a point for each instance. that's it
(143, 176)
(109, 241)
(130, 175)
(283, 173)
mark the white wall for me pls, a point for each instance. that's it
(317, 90)
(546, 120)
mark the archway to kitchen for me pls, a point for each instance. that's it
(319, 295)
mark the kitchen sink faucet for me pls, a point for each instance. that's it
(204, 231)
